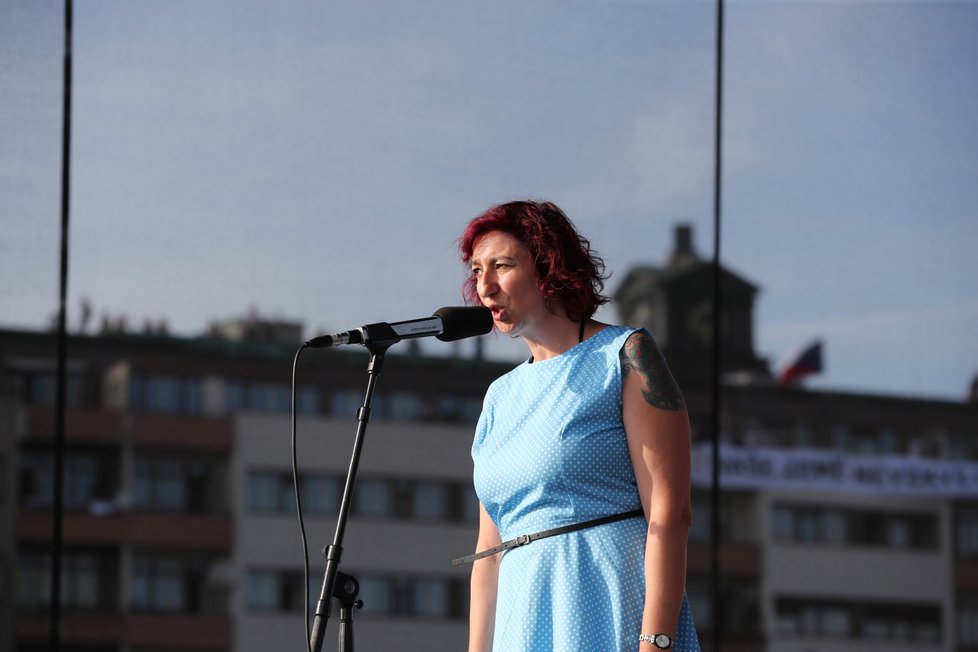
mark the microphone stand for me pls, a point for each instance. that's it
(347, 591)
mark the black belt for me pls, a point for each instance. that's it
(524, 539)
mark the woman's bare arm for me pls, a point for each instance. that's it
(485, 574)
(657, 429)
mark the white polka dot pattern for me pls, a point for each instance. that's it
(550, 450)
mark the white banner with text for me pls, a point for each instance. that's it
(814, 470)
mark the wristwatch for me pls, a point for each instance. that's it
(661, 641)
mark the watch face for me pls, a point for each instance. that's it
(662, 641)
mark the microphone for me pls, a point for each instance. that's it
(447, 324)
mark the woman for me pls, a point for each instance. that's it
(592, 427)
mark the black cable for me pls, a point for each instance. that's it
(57, 511)
(717, 357)
(298, 508)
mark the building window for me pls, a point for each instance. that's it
(893, 622)
(913, 531)
(169, 394)
(378, 595)
(192, 395)
(169, 485)
(865, 439)
(373, 498)
(700, 603)
(813, 620)
(738, 515)
(832, 528)
(903, 622)
(234, 396)
(40, 388)
(803, 525)
(898, 534)
(345, 402)
(430, 598)
(37, 480)
(275, 590)
(471, 409)
(962, 446)
(470, 504)
(395, 596)
(307, 400)
(81, 475)
(269, 491)
(889, 441)
(259, 399)
(320, 494)
(403, 407)
(739, 605)
(162, 394)
(702, 526)
(835, 621)
(159, 484)
(806, 526)
(446, 502)
(265, 397)
(782, 524)
(431, 500)
(796, 524)
(261, 590)
(268, 398)
(80, 580)
(160, 584)
(967, 533)
(274, 491)
(34, 580)
(776, 434)
(968, 622)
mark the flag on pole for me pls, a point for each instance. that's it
(802, 362)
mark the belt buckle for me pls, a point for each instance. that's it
(522, 540)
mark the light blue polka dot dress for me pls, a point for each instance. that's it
(550, 450)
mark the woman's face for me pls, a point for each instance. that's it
(506, 282)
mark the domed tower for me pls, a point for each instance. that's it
(675, 303)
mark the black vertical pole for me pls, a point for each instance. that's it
(61, 384)
(717, 348)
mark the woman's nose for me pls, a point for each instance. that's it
(487, 284)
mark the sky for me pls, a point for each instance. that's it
(317, 161)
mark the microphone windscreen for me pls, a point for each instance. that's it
(465, 321)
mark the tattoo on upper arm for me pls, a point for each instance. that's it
(640, 354)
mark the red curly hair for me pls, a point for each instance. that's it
(568, 271)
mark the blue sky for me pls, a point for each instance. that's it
(318, 160)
